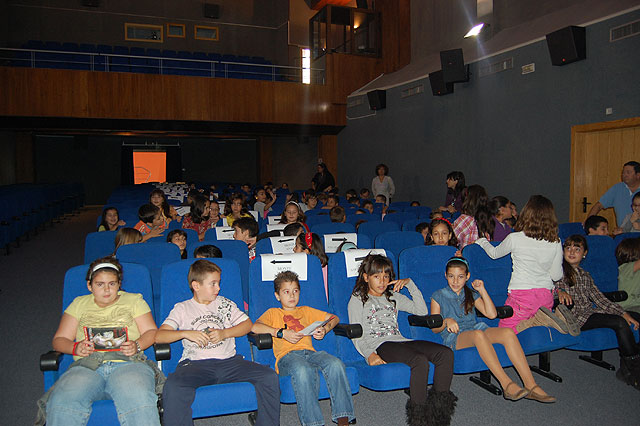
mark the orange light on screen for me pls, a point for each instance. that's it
(149, 167)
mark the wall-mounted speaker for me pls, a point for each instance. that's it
(91, 3)
(453, 68)
(211, 10)
(567, 45)
(438, 86)
(377, 99)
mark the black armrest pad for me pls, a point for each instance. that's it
(162, 351)
(352, 331)
(429, 321)
(50, 361)
(261, 341)
(502, 312)
(616, 296)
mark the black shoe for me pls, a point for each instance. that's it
(440, 408)
(252, 418)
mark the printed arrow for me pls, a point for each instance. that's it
(280, 261)
(360, 259)
(227, 230)
(339, 239)
(284, 241)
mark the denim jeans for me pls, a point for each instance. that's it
(131, 386)
(303, 368)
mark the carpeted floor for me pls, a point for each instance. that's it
(30, 303)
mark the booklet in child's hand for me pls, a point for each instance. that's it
(106, 338)
(310, 329)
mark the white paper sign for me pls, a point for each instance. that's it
(254, 214)
(333, 241)
(276, 227)
(307, 331)
(182, 210)
(283, 245)
(273, 264)
(273, 219)
(224, 232)
(353, 259)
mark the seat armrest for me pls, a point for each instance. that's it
(162, 351)
(616, 296)
(50, 361)
(261, 341)
(429, 321)
(351, 331)
(501, 312)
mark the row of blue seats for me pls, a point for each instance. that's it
(140, 60)
(26, 207)
(425, 265)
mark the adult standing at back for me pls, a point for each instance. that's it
(382, 184)
(323, 180)
(619, 195)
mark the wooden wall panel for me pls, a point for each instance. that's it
(328, 151)
(62, 93)
(350, 72)
(396, 33)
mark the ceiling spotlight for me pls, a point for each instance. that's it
(475, 30)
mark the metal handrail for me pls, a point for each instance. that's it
(160, 66)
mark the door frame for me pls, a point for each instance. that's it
(594, 127)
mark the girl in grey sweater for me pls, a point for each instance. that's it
(374, 304)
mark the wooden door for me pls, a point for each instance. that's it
(598, 152)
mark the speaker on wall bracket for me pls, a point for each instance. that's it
(567, 45)
(377, 99)
(453, 68)
(438, 86)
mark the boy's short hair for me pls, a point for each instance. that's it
(247, 224)
(292, 229)
(207, 250)
(384, 198)
(435, 214)
(335, 198)
(365, 203)
(147, 212)
(337, 214)
(285, 277)
(593, 222)
(200, 269)
(175, 232)
(421, 226)
(364, 191)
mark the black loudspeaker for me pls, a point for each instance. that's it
(438, 86)
(567, 45)
(377, 99)
(211, 10)
(91, 3)
(453, 69)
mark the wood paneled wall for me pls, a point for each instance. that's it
(328, 151)
(396, 33)
(80, 94)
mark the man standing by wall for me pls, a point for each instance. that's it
(619, 195)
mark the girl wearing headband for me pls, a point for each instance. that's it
(105, 331)
(310, 243)
(292, 213)
(460, 329)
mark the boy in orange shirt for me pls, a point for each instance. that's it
(296, 357)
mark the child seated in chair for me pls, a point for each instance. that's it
(151, 223)
(596, 225)
(296, 357)
(208, 324)
(246, 229)
(338, 215)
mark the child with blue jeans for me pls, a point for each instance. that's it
(296, 357)
(208, 324)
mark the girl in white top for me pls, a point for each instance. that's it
(536, 254)
(382, 184)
